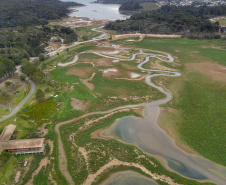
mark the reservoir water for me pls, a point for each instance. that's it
(97, 11)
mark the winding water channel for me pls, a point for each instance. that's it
(147, 135)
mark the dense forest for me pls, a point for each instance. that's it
(26, 12)
(23, 29)
(171, 20)
(19, 43)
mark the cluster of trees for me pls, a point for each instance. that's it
(37, 12)
(171, 20)
(7, 67)
(33, 72)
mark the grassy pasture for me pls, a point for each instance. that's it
(187, 50)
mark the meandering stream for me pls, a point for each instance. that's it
(147, 135)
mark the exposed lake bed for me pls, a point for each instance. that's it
(145, 133)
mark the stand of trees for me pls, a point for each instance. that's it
(171, 20)
(7, 67)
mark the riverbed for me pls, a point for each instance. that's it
(128, 178)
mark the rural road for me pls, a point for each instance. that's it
(4, 106)
(16, 109)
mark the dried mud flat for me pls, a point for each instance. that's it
(215, 71)
(79, 104)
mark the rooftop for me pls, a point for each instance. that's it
(6, 144)
(7, 132)
(22, 143)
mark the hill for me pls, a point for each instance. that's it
(171, 20)
(25, 13)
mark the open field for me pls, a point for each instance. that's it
(202, 120)
(149, 6)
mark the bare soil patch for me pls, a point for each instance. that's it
(81, 72)
(88, 84)
(79, 105)
(215, 71)
(103, 61)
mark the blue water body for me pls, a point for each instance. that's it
(98, 11)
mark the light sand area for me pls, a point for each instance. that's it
(134, 75)
(75, 59)
(74, 22)
(116, 162)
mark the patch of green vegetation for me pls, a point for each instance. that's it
(85, 33)
(114, 87)
(67, 59)
(66, 111)
(54, 161)
(203, 104)
(89, 56)
(41, 112)
(41, 178)
(4, 111)
(34, 165)
(60, 75)
(149, 6)
(24, 128)
(7, 164)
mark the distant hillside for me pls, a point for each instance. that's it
(137, 6)
(171, 20)
(25, 12)
(120, 1)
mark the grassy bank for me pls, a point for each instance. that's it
(100, 152)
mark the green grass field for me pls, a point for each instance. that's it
(4, 112)
(187, 50)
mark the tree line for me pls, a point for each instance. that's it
(171, 20)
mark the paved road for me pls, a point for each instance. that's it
(4, 106)
(16, 109)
